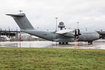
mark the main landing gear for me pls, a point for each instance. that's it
(63, 42)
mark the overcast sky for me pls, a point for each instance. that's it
(41, 13)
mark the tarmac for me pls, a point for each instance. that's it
(98, 44)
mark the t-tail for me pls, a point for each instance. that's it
(22, 21)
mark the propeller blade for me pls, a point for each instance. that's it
(79, 32)
(75, 32)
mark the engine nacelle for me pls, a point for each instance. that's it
(69, 34)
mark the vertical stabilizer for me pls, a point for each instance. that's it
(22, 21)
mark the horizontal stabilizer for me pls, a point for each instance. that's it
(16, 15)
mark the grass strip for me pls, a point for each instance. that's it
(51, 59)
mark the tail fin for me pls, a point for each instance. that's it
(22, 21)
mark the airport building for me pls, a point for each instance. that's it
(102, 33)
(7, 35)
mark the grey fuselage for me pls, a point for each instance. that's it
(52, 36)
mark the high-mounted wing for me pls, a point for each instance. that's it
(68, 33)
(63, 31)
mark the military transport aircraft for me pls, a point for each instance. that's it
(62, 36)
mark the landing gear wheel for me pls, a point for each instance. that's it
(63, 42)
(66, 42)
(90, 42)
(60, 43)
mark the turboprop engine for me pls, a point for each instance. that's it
(70, 33)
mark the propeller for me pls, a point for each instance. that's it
(79, 32)
(76, 34)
